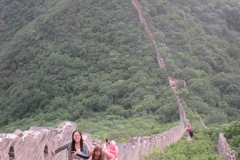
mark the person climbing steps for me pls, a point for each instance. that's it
(190, 131)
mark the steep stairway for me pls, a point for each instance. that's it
(160, 61)
(223, 147)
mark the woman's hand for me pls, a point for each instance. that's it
(53, 152)
(74, 154)
(91, 152)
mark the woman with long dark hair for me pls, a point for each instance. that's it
(99, 154)
(76, 149)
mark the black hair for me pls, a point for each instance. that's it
(106, 140)
(73, 141)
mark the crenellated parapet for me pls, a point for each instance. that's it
(35, 143)
(139, 146)
(38, 142)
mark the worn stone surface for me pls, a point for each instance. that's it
(224, 148)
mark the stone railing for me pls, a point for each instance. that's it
(224, 149)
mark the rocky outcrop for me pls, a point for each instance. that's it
(224, 149)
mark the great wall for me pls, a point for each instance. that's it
(38, 142)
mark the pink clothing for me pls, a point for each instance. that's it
(189, 129)
(113, 149)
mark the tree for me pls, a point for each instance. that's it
(231, 132)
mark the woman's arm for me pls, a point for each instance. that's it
(60, 149)
(109, 155)
(91, 152)
(82, 155)
(85, 153)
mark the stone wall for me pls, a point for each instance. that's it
(137, 5)
(35, 143)
(38, 142)
(180, 106)
(161, 63)
(138, 146)
(224, 148)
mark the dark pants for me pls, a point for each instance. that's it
(191, 134)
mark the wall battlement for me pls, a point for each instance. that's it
(35, 143)
(38, 142)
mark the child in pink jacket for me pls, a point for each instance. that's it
(113, 149)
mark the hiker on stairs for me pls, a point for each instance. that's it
(190, 131)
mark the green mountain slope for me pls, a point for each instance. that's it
(70, 59)
(200, 43)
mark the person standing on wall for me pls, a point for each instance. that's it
(189, 128)
(190, 131)
(77, 149)
(111, 147)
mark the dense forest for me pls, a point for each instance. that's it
(91, 62)
(71, 60)
(200, 42)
